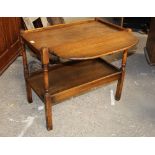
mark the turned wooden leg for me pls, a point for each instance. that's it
(121, 79)
(48, 112)
(26, 74)
(47, 98)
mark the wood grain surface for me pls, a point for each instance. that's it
(81, 40)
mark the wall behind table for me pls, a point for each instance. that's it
(72, 19)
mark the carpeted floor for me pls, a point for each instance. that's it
(90, 114)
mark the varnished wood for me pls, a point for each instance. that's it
(47, 98)
(150, 44)
(76, 41)
(82, 40)
(10, 45)
(26, 73)
(121, 79)
(72, 78)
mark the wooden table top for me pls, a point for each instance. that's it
(81, 40)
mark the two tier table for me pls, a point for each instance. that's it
(82, 43)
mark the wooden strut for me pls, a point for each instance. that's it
(47, 98)
(121, 79)
(26, 73)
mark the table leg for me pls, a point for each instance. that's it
(121, 79)
(47, 98)
(26, 73)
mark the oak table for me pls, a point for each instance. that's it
(83, 43)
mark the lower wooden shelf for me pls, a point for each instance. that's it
(72, 78)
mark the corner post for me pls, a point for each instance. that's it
(121, 79)
(47, 98)
(26, 72)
